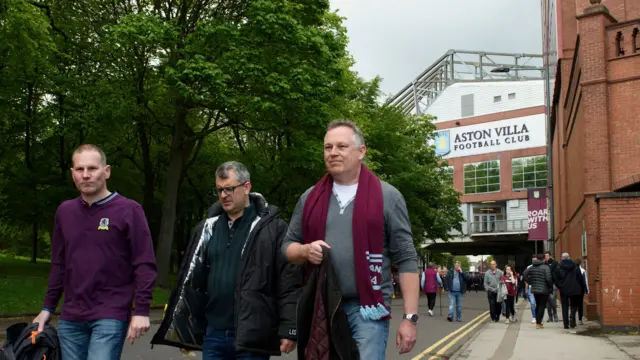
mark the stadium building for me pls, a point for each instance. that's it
(489, 111)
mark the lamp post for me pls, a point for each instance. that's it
(547, 97)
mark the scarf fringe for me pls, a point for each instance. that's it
(374, 312)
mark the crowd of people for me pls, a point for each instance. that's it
(250, 285)
(538, 283)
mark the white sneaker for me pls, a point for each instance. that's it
(506, 321)
(533, 321)
(430, 313)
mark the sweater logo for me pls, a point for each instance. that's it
(104, 224)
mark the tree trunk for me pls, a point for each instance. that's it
(173, 176)
(29, 165)
(148, 200)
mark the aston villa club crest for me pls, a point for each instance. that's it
(442, 142)
(104, 224)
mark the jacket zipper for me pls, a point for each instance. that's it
(332, 317)
(242, 265)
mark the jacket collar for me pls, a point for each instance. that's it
(261, 205)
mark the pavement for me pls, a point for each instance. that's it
(436, 335)
(522, 341)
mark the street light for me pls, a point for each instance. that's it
(506, 69)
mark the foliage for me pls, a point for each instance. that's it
(171, 92)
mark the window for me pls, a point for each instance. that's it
(512, 96)
(448, 174)
(497, 98)
(529, 172)
(466, 103)
(482, 177)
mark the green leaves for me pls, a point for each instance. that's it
(171, 92)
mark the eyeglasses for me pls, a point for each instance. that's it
(227, 190)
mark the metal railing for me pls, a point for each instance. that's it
(498, 226)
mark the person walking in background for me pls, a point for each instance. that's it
(491, 283)
(520, 287)
(365, 222)
(538, 276)
(586, 290)
(102, 260)
(430, 283)
(552, 304)
(572, 287)
(511, 281)
(527, 290)
(456, 284)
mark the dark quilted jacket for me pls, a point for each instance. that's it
(539, 277)
(323, 328)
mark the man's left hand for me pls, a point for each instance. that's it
(287, 346)
(406, 338)
(137, 327)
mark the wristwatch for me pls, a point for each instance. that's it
(411, 317)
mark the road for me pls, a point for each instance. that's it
(430, 331)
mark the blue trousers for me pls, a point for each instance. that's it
(92, 340)
(370, 336)
(455, 302)
(220, 345)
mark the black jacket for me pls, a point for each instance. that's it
(267, 289)
(321, 300)
(539, 277)
(448, 281)
(569, 279)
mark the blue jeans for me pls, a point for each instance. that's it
(370, 336)
(95, 340)
(455, 301)
(220, 345)
(532, 302)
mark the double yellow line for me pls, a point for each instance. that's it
(466, 329)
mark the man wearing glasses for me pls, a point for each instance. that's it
(236, 293)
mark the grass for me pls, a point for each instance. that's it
(23, 285)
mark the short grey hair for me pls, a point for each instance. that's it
(431, 265)
(458, 263)
(241, 171)
(565, 256)
(357, 133)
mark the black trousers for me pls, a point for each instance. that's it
(541, 306)
(572, 301)
(509, 306)
(495, 308)
(581, 307)
(431, 300)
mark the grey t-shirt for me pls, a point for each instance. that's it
(398, 240)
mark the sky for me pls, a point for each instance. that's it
(398, 39)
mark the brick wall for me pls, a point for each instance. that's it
(596, 142)
(620, 252)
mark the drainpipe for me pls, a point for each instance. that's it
(552, 234)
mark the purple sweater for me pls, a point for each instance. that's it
(102, 258)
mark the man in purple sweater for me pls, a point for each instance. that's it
(102, 259)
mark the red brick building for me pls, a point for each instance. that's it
(592, 51)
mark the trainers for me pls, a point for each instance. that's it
(506, 321)
(430, 312)
(581, 323)
(533, 321)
